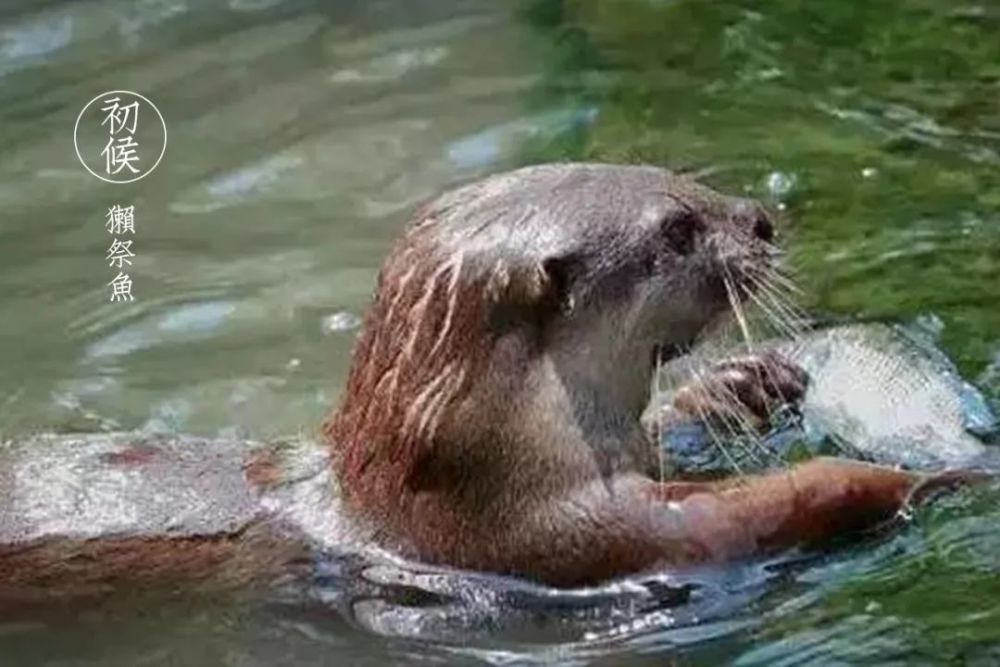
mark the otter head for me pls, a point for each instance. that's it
(518, 318)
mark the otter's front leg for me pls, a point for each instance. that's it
(745, 390)
(628, 524)
(806, 505)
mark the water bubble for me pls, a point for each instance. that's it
(779, 184)
(340, 321)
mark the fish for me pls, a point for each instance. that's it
(877, 392)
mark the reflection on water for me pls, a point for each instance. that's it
(302, 132)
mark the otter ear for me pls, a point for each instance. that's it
(536, 292)
(560, 274)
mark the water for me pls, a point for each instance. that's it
(301, 135)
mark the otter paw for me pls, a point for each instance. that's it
(746, 390)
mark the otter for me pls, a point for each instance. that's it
(492, 418)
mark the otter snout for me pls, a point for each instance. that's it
(751, 218)
(740, 248)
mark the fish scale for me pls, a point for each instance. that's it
(878, 392)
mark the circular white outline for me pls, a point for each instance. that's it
(76, 127)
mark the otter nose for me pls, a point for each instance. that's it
(763, 228)
(749, 213)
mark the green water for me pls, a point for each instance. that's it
(301, 135)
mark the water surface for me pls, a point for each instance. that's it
(301, 135)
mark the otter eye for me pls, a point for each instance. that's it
(680, 230)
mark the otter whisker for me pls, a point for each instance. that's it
(749, 439)
(721, 401)
(747, 436)
(787, 324)
(657, 402)
(733, 429)
(775, 457)
(774, 290)
(776, 319)
(717, 441)
(753, 443)
(779, 307)
(778, 282)
(772, 318)
(744, 434)
(734, 303)
(706, 419)
(784, 280)
(795, 320)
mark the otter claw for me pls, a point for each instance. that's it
(750, 389)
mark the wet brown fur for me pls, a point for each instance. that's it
(187, 514)
(468, 434)
(56, 570)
